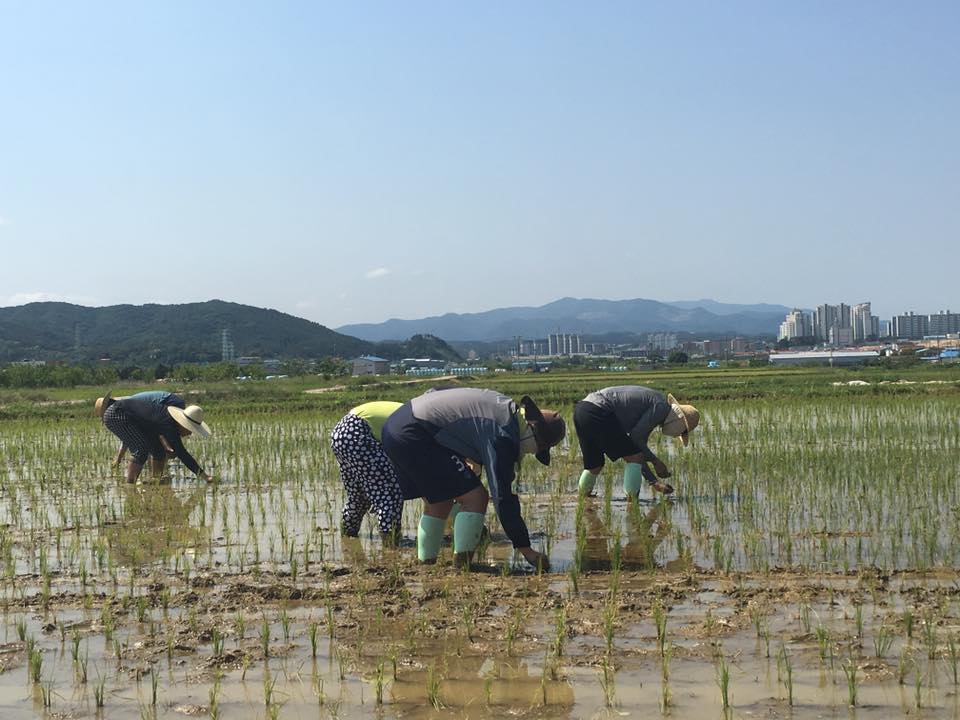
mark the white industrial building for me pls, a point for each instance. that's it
(827, 357)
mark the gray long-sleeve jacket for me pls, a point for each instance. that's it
(638, 410)
(481, 425)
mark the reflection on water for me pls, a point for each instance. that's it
(467, 680)
(155, 524)
(647, 526)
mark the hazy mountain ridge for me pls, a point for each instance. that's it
(588, 316)
(180, 333)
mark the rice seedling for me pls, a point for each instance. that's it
(930, 636)
(904, 663)
(214, 697)
(99, 690)
(46, 693)
(433, 686)
(784, 661)
(723, 682)
(850, 672)
(312, 635)
(265, 638)
(35, 665)
(908, 619)
(666, 696)
(660, 620)
(560, 631)
(269, 684)
(823, 641)
(607, 682)
(216, 642)
(953, 656)
(882, 642)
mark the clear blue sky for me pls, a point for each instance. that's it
(351, 162)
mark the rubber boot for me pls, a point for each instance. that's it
(633, 479)
(429, 538)
(587, 481)
(467, 531)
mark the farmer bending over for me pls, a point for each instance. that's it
(617, 422)
(153, 424)
(365, 470)
(430, 440)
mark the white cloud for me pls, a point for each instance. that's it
(376, 273)
(3, 221)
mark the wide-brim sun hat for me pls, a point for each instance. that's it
(681, 420)
(548, 427)
(101, 404)
(191, 417)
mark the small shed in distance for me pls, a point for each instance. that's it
(370, 365)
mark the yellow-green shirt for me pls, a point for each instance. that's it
(375, 414)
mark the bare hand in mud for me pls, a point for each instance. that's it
(662, 487)
(661, 468)
(537, 559)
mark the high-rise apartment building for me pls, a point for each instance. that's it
(662, 341)
(911, 327)
(862, 322)
(796, 325)
(824, 318)
(943, 323)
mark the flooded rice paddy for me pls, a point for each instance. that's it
(805, 568)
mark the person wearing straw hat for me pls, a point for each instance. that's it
(617, 422)
(431, 441)
(153, 424)
(160, 397)
(366, 472)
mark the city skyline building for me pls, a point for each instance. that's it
(910, 326)
(564, 344)
(797, 324)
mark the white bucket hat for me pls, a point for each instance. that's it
(191, 418)
(681, 420)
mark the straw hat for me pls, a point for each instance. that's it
(681, 420)
(191, 418)
(101, 404)
(548, 427)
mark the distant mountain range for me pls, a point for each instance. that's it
(170, 334)
(142, 334)
(584, 316)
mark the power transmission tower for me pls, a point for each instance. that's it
(226, 346)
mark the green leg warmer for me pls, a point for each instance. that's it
(633, 479)
(429, 538)
(467, 531)
(587, 481)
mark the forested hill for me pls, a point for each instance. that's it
(143, 334)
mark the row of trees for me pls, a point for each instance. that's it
(62, 375)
